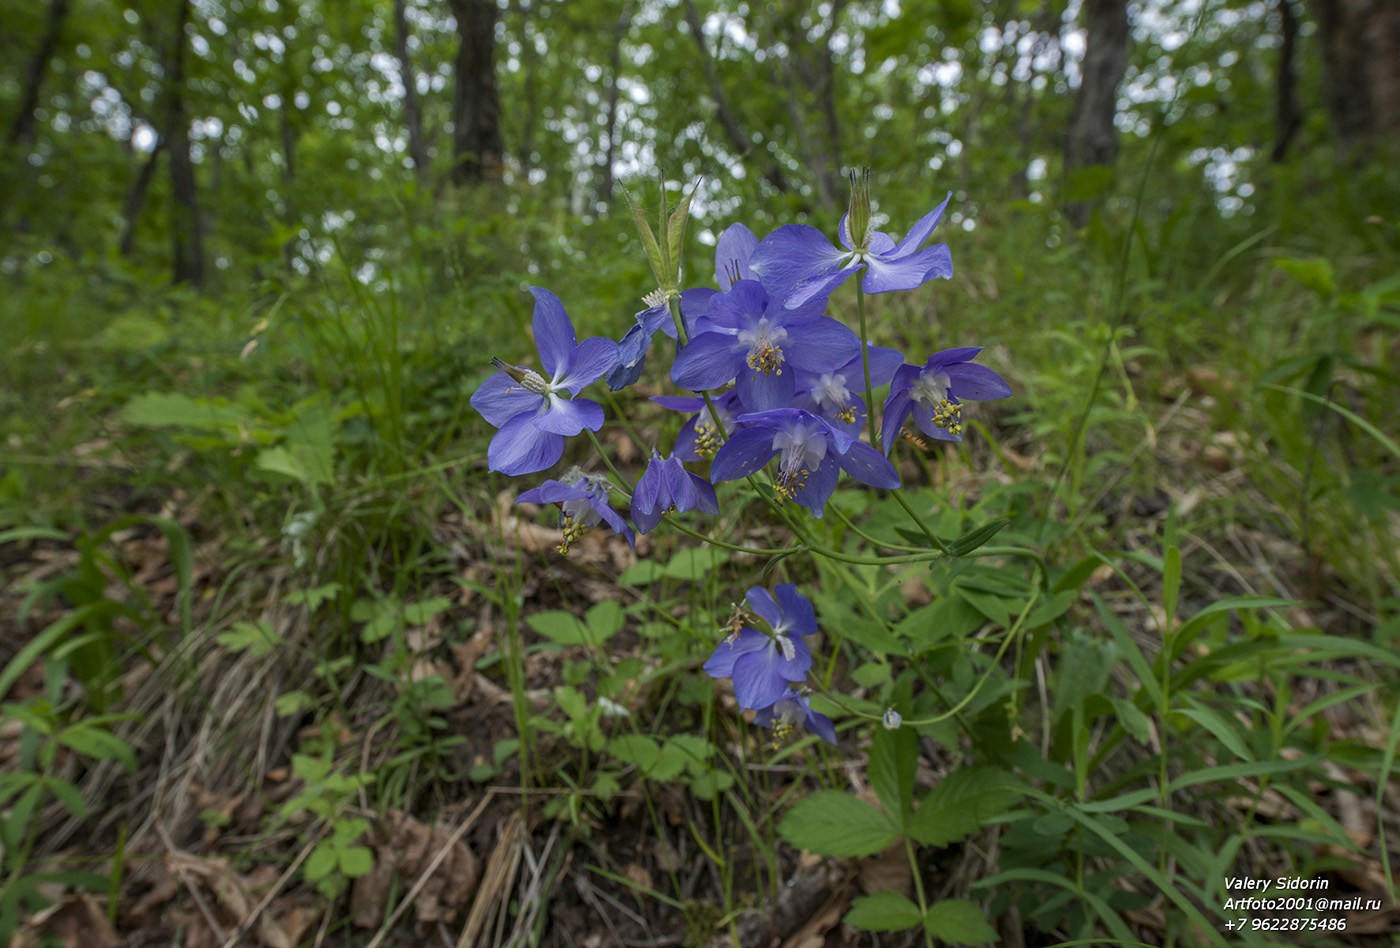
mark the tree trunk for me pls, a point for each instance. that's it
(22, 130)
(605, 193)
(476, 107)
(187, 228)
(412, 117)
(1288, 118)
(741, 144)
(136, 199)
(1093, 140)
(1360, 67)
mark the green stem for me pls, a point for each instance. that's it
(932, 537)
(624, 485)
(918, 889)
(865, 363)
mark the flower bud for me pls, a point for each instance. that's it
(858, 218)
(893, 719)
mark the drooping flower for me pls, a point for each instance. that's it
(584, 502)
(797, 263)
(811, 454)
(833, 395)
(667, 485)
(763, 665)
(636, 342)
(701, 436)
(792, 709)
(528, 409)
(931, 394)
(749, 338)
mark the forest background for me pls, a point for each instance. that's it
(283, 663)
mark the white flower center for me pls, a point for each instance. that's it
(831, 390)
(765, 349)
(932, 388)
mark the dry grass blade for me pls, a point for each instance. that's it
(500, 870)
(428, 871)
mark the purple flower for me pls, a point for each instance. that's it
(811, 455)
(583, 498)
(790, 710)
(532, 417)
(732, 252)
(762, 664)
(744, 336)
(832, 394)
(796, 262)
(667, 485)
(632, 349)
(931, 394)
(700, 437)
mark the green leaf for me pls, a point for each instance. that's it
(255, 638)
(635, 749)
(321, 862)
(604, 620)
(290, 703)
(675, 234)
(1134, 721)
(418, 613)
(1315, 274)
(356, 861)
(649, 244)
(695, 564)
(894, 755)
(571, 701)
(832, 823)
(959, 922)
(962, 803)
(1220, 726)
(641, 573)
(563, 628)
(100, 744)
(883, 912)
(168, 409)
(312, 598)
(973, 539)
(993, 607)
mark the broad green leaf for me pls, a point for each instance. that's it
(832, 823)
(417, 613)
(171, 409)
(959, 922)
(255, 638)
(635, 749)
(883, 912)
(1315, 274)
(695, 563)
(356, 861)
(604, 620)
(961, 804)
(894, 755)
(641, 573)
(1221, 727)
(99, 744)
(563, 628)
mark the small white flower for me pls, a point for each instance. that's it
(892, 719)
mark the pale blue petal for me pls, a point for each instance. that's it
(710, 361)
(721, 663)
(758, 680)
(920, 231)
(869, 466)
(763, 604)
(569, 418)
(906, 273)
(554, 333)
(797, 610)
(588, 362)
(976, 382)
(744, 452)
(521, 448)
(500, 398)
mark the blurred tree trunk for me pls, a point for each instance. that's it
(1360, 67)
(187, 227)
(476, 106)
(1093, 139)
(1288, 117)
(624, 20)
(412, 117)
(22, 130)
(742, 145)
